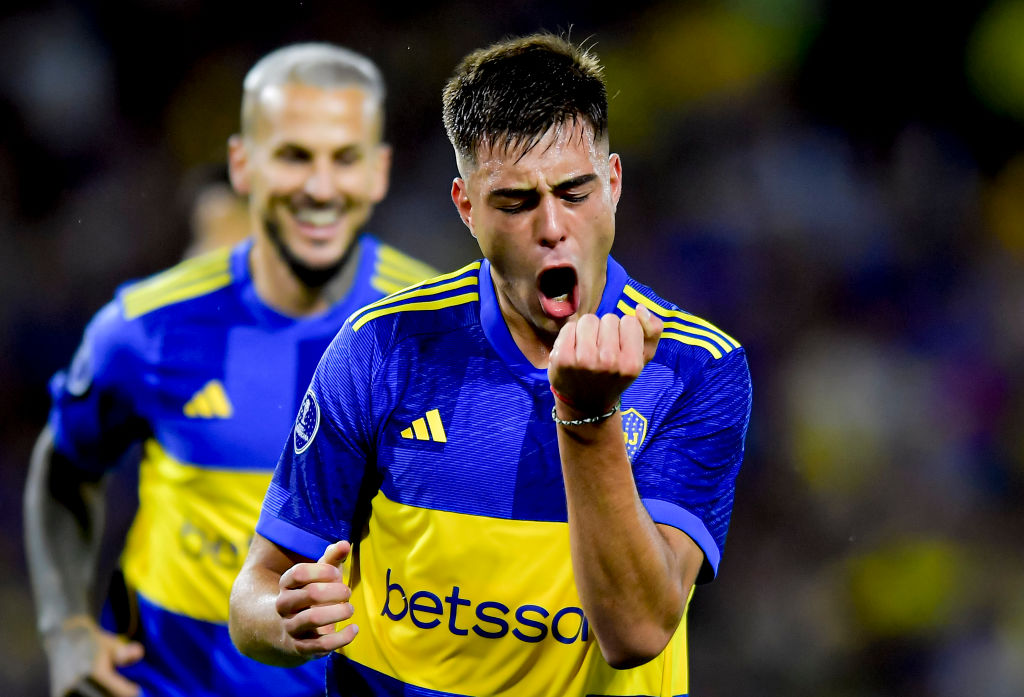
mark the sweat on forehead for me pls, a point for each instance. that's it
(511, 94)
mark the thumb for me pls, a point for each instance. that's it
(127, 653)
(652, 326)
(336, 553)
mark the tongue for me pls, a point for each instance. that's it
(558, 307)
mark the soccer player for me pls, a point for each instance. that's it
(530, 460)
(205, 365)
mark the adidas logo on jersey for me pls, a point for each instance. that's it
(428, 427)
(210, 402)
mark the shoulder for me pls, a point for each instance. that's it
(685, 336)
(441, 302)
(175, 288)
(125, 330)
(392, 269)
(387, 335)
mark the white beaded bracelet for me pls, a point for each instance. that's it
(583, 422)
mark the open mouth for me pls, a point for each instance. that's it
(559, 292)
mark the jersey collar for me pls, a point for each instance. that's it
(269, 316)
(497, 332)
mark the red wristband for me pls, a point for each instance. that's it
(562, 398)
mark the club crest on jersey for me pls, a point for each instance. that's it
(307, 423)
(634, 430)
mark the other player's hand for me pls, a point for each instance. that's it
(312, 599)
(84, 658)
(594, 360)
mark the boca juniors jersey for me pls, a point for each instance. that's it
(194, 366)
(426, 437)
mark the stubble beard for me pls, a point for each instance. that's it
(313, 277)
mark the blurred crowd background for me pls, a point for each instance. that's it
(840, 185)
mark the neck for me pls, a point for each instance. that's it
(535, 345)
(278, 287)
(535, 342)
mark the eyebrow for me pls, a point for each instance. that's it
(525, 193)
(296, 147)
(288, 146)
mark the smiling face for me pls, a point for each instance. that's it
(313, 167)
(546, 221)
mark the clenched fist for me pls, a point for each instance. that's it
(595, 359)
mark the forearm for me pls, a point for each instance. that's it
(255, 625)
(632, 583)
(63, 529)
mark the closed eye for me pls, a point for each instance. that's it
(575, 198)
(515, 202)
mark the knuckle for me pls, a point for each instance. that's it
(321, 616)
(283, 603)
(317, 592)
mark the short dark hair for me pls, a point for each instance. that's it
(512, 92)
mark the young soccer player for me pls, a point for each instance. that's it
(530, 461)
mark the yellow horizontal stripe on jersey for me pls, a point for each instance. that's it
(476, 605)
(424, 289)
(385, 285)
(418, 290)
(415, 307)
(399, 260)
(713, 349)
(727, 342)
(188, 279)
(693, 341)
(139, 308)
(191, 533)
(407, 275)
(185, 272)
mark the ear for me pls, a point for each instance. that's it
(460, 197)
(615, 178)
(238, 164)
(382, 173)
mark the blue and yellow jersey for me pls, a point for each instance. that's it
(426, 437)
(193, 365)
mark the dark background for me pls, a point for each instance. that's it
(839, 185)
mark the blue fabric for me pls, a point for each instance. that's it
(690, 411)
(353, 680)
(132, 378)
(205, 663)
(143, 371)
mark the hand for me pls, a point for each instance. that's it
(312, 600)
(84, 659)
(594, 360)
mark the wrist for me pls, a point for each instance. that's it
(69, 628)
(65, 624)
(572, 417)
(569, 408)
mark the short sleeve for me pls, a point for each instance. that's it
(686, 473)
(93, 413)
(314, 497)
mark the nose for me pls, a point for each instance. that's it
(320, 182)
(550, 228)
